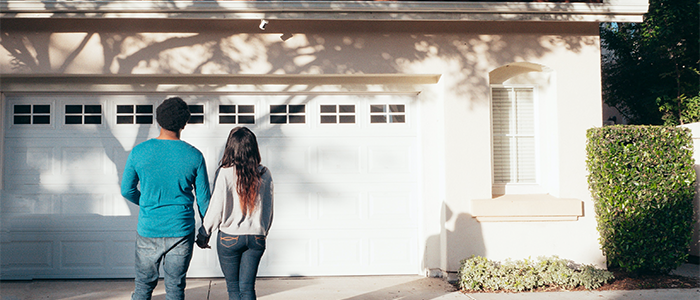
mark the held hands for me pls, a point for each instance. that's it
(202, 241)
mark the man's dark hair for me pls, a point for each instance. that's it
(173, 114)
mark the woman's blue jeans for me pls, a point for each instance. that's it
(175, 254)
(239, 256)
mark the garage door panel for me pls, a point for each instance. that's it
(290, 252)
(120, 252)
(78, 204)
(391, 206)
(389, 159)
(22, 160)
(81, 160)
(340, 252)
(20, 204)
(339, 160)
(292, 206)
(391, 251)
(334, 206)
(27, 255)
(83, 255)
(287, 162)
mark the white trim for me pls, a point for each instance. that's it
(2, 143)
(267, 84)
(610, 10)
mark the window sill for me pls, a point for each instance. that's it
(526, 208)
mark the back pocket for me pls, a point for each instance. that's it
(229, 241)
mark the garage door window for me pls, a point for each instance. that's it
(236, 114)
(196, 114)
(83, 114)
(338, 114)
(134, 114)
(288, 114)
(32, 114)
(387, 113)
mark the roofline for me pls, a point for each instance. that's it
(608, 11)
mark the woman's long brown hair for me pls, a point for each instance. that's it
(242, 153)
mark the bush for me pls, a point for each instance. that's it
(642, 181)
(478, 274)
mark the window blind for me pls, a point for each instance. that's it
(513, 135)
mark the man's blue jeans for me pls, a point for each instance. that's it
(175, 254)
(239, 256)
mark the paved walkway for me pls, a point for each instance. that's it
(324, 288)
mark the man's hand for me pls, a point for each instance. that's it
(202, 242)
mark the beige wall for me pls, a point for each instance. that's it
(455, 113)
(695, 242)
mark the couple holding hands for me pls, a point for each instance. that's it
(162, 176)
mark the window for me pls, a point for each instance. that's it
(288, 114)
(236, 114)
(134, 114)
(32, 114)
(337, 114)
(513, 135)
(196, 114)
(83, 114)
(387, 113)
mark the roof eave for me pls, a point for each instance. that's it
(609, 11)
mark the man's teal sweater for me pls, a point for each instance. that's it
(168, 171)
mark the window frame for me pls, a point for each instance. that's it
(535, 187)
(338, 114)
(388, 113)
(51, 114)
(115, 114)
(237, 114)
(82, 114)
(287, 113)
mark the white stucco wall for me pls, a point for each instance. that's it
(455, 113)
(695, 242)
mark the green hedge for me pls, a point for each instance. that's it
(642, 181)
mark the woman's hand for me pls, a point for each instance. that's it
(202, 242)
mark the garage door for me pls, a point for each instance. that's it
(345, 170)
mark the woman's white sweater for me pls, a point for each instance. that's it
(224, 212)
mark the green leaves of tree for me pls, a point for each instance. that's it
(654, 60)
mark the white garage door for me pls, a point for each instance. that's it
(345, 170)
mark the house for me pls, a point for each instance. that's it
(403, 136)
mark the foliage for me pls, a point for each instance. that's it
(682, 110)
(642, 181)
(478, 273)
(656, 59)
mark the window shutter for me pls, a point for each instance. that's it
(513, 135)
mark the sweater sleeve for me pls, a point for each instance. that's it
(213, 215)
(202, 189)
(269, 202)
(130, 181)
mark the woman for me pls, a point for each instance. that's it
(241, 209)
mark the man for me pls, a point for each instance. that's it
(169, 170)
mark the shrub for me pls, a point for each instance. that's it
(478, 274)
(642, 181)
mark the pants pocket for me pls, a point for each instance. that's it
(260, 241)
(229, 240)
